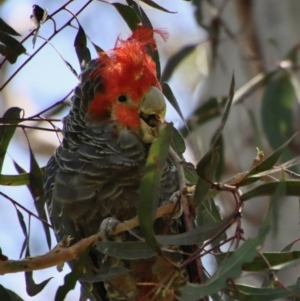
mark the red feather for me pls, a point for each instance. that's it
(127, 69)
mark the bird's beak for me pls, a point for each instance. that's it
(152, 113)
(154, 104)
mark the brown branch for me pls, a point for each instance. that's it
(61, 254)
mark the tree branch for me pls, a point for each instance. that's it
(61, 254)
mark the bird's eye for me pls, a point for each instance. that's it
(122, 98)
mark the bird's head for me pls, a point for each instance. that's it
(131, 91)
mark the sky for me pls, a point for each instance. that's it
(46, 79)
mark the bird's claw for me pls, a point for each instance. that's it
(108, 227)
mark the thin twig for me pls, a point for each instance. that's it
(44, 44)
(25, 209)
(33, 31)
(30, 127)
(52, 106)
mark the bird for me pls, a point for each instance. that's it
(91, 182)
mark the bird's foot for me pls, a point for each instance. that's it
(107, 229)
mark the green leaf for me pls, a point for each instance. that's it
(206, 170)
(140, 250)
(177, 142)
(197, 235)
(69, 284)
(150, 183)
(251, 293)
(97, 48)
(175, 60)
(277, 194)
(211, 109)
(255, 129)
(219, 144)
(154, 5)
(5, 28)
(6, 133)
(82, 52)
(274, 261)
(24, 230)
(71, 278)
(172, 99)
(198, 12)
(32, 288)
(226, 112)
(13, 48)
(37, 191)
(105, 274)
(190, 172)
(277, 110)
(8, 295)
(207, 166)
(125, 249)
(292, 188)
(128, 14)
(208, 213)
(289, 246)
(14, 180)
(266, 164)
(146, 22)
(229, 268)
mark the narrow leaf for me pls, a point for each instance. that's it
(24, 230)
(219, 144)
(5, 28)
(140, 250)
(155, 5)
(226, 112)
(175, 60)
(274, 261)
(37, 192)
(208, 214)
(172, 99)
(229, 268)
(8, 295)
(146, 22)
(97, 48)
(14, 180)
(32, 288)
(82, 52)
(277, 110)
(177, 142)
(71, 278)
(211, 109)
(267, 163)
(206, 170)
(105, 274)
(150, 184)
(13, 47)
(292, 188)
(128, 14)
(251, 293)
(6, 133)
(125, 249)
